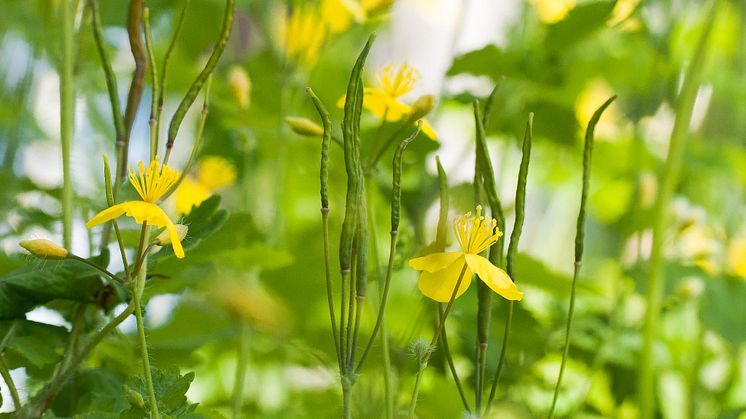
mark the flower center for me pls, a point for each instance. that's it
(152, 183)
(397, 81)
(475, 233)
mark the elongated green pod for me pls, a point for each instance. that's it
(396, 178)
(520, 197)
(325, 140)
(111, 79)
(351, 133)
(441, 235)
(579, 239)
(196, 86)
(107, 182)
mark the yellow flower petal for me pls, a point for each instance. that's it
(428, 130)
(216, 172)
(141, 211)
(377, 102)
(494, 277)
(190, 194)
(434, 262)
(439, 285)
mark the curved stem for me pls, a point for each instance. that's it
(98, 268)
(426, 358)
(5, 373)
(137, 299)
(451, 365)
(669, 180)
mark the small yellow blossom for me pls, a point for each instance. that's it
(43, 248)
(151, 184)
(384, 101)
(552, 11)
(240, 85)
(441, 271)
(214, 173)
(737, 256)
(338, 15)
(304, 35)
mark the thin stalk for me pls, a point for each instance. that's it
(5, 372)
(153, 83)
(351, 310)
(117, 232)
(98, 268)
(579, 240)
(372, 162)
(377, 137)
(668, 182)
(426, 358)
(164, 71)
(243, 361)
(342, 319)
(134, 18)
(137, 299)
(515, 235)
(451, 365)
(328, 277)
(53, 388)
(67, 104)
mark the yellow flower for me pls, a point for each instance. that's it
(304, 35)
(383, 100)
(213, 173)
(552, 11)
(737, 256)
(440, 271)
(151, 184)
(338, 15)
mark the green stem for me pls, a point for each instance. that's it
(164, 70)
(243, 361)
(451, 365)
(668, 182)
(67, 104)
(426, 358)
(153, 83)
(579, 241)
(98, 268)
(5, 373)
(346, 399)
(137, 299)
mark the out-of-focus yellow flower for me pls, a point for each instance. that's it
(213, 174)
(250, 302)
(44, 249)
(304, 35)
(622, 11)
(338, 15)
(441, 271)
(374, 6)
(737, 256)
(384, 101)
(240, 85)
(151, 184)
(594, 94)
(552, 11)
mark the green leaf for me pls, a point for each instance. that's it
(33, 345)
(488, 61)
(723, 310)
(170, 392)
(40, 282)
(582, 21)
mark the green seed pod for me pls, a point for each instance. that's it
(327, 134)
(396, 178)
(351, 134)
(520, 197)
(107, 182)
(442, 231)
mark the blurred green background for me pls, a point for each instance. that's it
(254, 267)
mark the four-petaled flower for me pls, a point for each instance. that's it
(441, 271)
(384, 99)
(151, 184)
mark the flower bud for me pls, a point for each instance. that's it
(44, 249)
(240, 84)
(422, 107)
(134, 397)
(420, 349)
(304, 126)
(164, 239)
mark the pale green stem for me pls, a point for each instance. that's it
(669, 181)
(426, 358)
(243, 361)
(67, 104)
(137, 299)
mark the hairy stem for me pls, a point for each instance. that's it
(67, 105)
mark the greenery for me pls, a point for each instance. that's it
(246, 209)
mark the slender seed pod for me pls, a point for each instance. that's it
(396, 179)
(442, 231)
(111, 79)
(520, 197)
(196, 86)
(350, 131)
(107, 182)
(326, 121)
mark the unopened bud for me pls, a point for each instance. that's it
(419, 349)
(422, 107)
(135, 398)
(304, 126)
(240, 85)
(44, 249)
(164, 239)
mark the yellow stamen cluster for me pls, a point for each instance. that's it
(397, 82)
(152, 183)
(475, 233)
